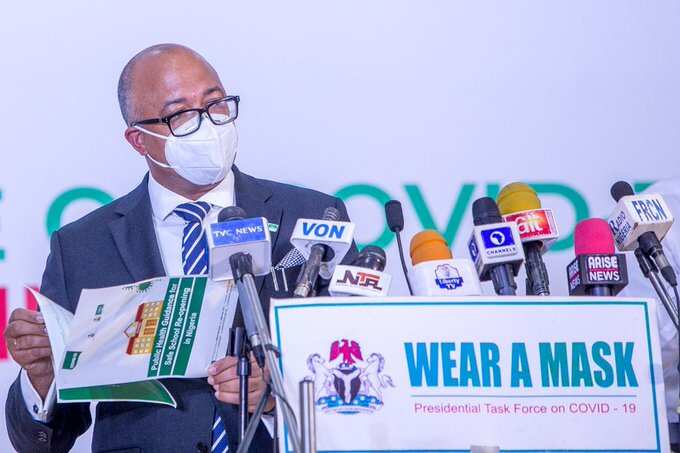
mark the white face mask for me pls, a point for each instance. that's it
(202, 158)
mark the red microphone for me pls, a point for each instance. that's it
(596, 270)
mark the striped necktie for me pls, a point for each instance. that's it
(195, 262)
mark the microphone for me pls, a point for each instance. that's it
(318, 239)
(395, 221)
(364, 277)
(235, 233)
(494, 247)
(436, 272)
(642, 221)
(241, 264)
(596, 270)
(519, 203)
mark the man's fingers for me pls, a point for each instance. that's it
(31, 341)
(227, 397)
(18, 328)
(21, 314)
(29, 357)
(227, 387)
(222, 365)
(40, 368)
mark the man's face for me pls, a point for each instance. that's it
(162, 85)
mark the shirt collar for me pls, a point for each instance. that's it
(164, 201)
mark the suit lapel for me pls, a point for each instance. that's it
(254, 198)
(134, 235)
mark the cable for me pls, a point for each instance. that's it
(403, 263)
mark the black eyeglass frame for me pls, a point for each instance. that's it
(166, 119)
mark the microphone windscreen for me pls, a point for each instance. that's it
(371, 257)
(331, 214)
(231, 213)
(593, 237)
(517, 197)
(485, 211)
(429, 245)
(620, 189)
(394, 215)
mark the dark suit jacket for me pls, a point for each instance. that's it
(116, 245)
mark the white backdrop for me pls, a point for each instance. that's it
(432, 98)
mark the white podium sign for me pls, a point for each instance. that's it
(443, 374)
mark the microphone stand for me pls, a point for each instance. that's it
(238, 347)
(258, 332)
(650, 271)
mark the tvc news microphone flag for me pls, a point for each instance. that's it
(406, 374)
(243, 235)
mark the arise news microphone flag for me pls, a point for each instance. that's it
(436, 272)
(537, 228)
(597, 270)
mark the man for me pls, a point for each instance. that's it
(668, 334)
(180, 119)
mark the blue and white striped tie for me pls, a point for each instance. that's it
(195, 262)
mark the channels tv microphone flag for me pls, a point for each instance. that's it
(597, 270)
(395, 221)
(495, 247)
(318, 239)
(436, 272)
(537, 228)
(364, 277)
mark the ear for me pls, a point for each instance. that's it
(135, 138)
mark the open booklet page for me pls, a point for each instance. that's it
(123, 338)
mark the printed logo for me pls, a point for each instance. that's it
(238, 231)
(534, 225)
(448, 277)
(497, 237)
(139, 289)
(71, 359)
(346, 383)
(362, 279)
(474, 250)
(498, 242)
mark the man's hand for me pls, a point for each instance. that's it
(27, 341)
(223, 376)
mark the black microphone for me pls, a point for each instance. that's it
(371, 257)
(395, 222)
(309, 273)
(642, 223)
(494, 247)
(242, 269)
(231, 213)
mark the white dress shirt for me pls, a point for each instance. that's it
(169, 228)
(641, 287)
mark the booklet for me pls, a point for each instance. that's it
(122, 339)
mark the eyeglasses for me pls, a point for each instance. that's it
(186, 122)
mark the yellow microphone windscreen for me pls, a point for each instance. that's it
(517, 197)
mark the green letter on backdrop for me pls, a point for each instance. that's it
(59, 205)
